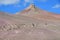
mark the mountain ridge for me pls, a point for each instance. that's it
(33, 11)
(26, 26)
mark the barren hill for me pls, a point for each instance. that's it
(37, 13)
(30, 24)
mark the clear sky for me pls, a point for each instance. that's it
(14, 6)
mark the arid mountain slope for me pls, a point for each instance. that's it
(26, 26)
(35, 12)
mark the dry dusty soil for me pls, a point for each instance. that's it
(26, 28)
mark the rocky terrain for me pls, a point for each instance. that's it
(30, 24)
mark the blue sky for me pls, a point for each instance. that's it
(14, 6)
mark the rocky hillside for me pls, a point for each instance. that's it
(37, 13)
(30, 24)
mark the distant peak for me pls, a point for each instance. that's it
(32, 6)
